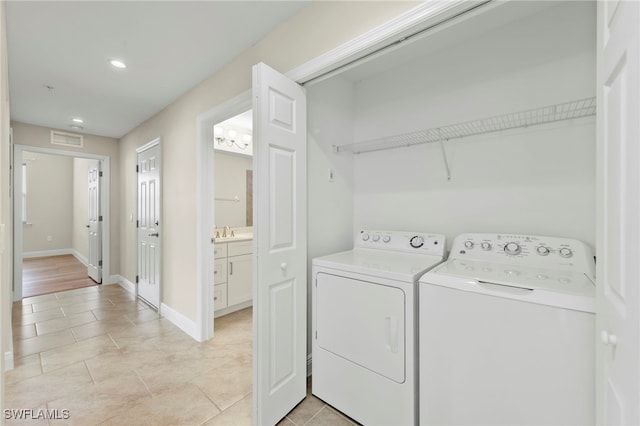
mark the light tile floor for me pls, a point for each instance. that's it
(109, 359)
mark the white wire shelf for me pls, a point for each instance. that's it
(548, 114)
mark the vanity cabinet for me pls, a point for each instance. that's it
(233, 276)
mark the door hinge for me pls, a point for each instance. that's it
(100, 263)
(137, 168)
(137, 223)
(316, 334)
(99, 174)
(99, 218)
(137, 279)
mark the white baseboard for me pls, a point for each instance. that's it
(180, 321)
(8, 361)
(126, 284)
(113, 279)
(80, 257)
(46, 253)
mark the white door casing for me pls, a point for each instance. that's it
(280, 246)
(618, 214)
(148, 241)
(94, 226)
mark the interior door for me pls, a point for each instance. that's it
(94, 227)
(280, 255)
(618, 233)
(149, 225)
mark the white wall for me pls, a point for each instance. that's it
(539, 180)
(79, 238)
(49, 202)
(28, 134)
(230, 178)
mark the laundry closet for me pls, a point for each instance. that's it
(385, 145)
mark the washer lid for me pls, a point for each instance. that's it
(566, 289)
(397, 266)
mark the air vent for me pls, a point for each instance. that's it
(66, 139)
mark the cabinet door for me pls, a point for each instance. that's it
(220, 271)
(220, 296)
(239, 279)
(220, 250)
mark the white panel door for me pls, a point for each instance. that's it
(149, 225)
(280, 213)
(94, 259)
(618, 223)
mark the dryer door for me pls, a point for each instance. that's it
(362, 322)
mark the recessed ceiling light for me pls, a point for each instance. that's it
(77, 120)
(117, 63)
(74, 127)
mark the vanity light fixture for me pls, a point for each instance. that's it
(117, 63)
(76, 127)
(230, 139)
(77, 120)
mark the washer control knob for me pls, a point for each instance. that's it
(542, 250)
(512, 248)
(486, 246)
(376, 238)
(386, 238)
(416, 241)
(365, 237)
(565, 252)
(468, 244)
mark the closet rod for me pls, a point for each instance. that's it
(547, 114)
(234, 199)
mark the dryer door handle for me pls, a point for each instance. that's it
(391, 333)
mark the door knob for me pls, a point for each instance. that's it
(283, 266)
(88, 226)
(608, 338)
(155, 234)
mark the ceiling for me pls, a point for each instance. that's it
(59, 51)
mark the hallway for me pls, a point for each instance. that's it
(109, 359)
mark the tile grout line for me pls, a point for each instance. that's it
(113, 340)
(135, 370)
(89, 371)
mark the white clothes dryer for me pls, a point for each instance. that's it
(507, 329)
(364, 326)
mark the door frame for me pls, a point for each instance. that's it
(105, 210)
(423, 17)
(205, 207)
(151, 144)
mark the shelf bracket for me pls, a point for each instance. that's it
(444, 155)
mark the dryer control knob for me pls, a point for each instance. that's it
(416, 241)
(386, 238)
(542, 250)
(365, 237)
(565, 252)
(512, 248)
(486, 246)
(376, 238)
(468, 244)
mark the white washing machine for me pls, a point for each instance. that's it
(507, 333)
(364, 325)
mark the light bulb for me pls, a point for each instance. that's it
(218, 131)
(232, 134)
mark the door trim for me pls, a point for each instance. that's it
(105, 209)
(151, 144)
(205, 211)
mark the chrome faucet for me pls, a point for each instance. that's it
(224, 232)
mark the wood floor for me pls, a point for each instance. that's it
(44, 275)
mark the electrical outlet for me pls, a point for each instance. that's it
(49, 238)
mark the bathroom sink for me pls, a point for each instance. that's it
(236, 237)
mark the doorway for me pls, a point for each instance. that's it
(148, 224)
(40, 234)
